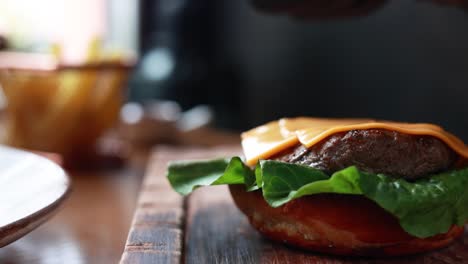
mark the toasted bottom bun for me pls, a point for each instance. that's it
(338, 224)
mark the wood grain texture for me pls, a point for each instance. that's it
(92, 225)
(208, 228)
(156, 235)
(31, 190)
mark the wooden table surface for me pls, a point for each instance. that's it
(92, 225)
(208, 228)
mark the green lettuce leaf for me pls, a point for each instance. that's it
(424, 208)
(186, 176)
(280, 181)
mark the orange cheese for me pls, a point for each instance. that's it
(265, 141)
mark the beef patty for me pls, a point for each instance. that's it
(377, 151)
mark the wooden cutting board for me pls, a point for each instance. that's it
(208, 228)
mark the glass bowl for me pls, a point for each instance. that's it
(61, 108)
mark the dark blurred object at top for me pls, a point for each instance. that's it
(182, 60)
(319, 9)
(333, 9)
(457, 3)
(3, 43)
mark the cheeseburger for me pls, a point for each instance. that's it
(344, 186)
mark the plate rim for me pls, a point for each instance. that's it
(9, 233)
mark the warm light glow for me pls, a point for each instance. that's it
(71, 23)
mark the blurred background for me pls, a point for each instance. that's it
(407, 61)
(101, 82)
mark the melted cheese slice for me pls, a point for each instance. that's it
(268, 140)
(265, 141)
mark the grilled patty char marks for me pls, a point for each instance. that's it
(377, 151)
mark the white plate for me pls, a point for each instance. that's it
(31, 190)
